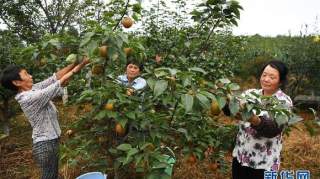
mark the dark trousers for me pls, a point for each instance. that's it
(243, 172)
(46, 156)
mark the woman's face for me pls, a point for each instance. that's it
(132, 71)
(26, 81)
(270, 80)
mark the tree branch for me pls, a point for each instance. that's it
(12, 28)
(124, 12)
(46, 12)
(58, 13)
(204, 21)
(5, 21)
(67, 15)
(211, 31)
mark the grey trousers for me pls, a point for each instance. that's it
(46, 156)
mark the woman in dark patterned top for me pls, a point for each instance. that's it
(259, 141)
(35, 102)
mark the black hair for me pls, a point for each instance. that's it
(131, 60)
(10, 74)
(282, 69)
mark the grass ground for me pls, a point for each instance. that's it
(300, 151)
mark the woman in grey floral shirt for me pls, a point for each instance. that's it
(35, 102)
(259, 141)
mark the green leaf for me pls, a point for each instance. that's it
(185, 132)
(246, 115)
(127, 160)
(211, 2)
(102, 114)
(225, 80)
(87, 37)
(159, 87)
(160, 165)
(151, 83)
(132, 151)
(123, 121)
(112, 114)
(92, 49)
(281, 119)
(233, 86)
(187, 44)
(153, 134)
(111, 51)
(53, 57)
(131, 115)
(314, 112)
(158, 175)
(137, 8)
(146, 145)
(3, 136)
(124, 37)
(55, 43)
(249, 106)
(187, 101)
(234, 22)
(221, 101)
(208, 95)
(124, 147)
(182, 130)
(45, 44)
(138, 158)
(197, 69)
(203, 100)
(135, 16)
(160, 73)
(173, 71)
(119, 42)
(234, 106)
(187, 81)
(72, 58)
(139, 46)
(294, 119)
(113, 151)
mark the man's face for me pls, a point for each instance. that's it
(132, 71)
(26, 81)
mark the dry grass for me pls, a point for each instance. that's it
(16, 154)
(200, 169)
(301, 151)
(68, 172)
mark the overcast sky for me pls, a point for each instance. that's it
(274, 17)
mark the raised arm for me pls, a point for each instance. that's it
(74, 70)
(65, 70)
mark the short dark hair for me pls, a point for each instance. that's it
(10, 74)
(282, 69)
(131, 60)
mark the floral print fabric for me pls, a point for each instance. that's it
(257, 151)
